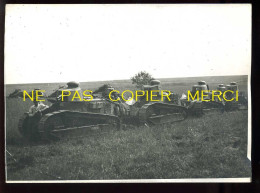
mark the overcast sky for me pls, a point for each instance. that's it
(60, 43)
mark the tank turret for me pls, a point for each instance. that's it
(155, 82)
(221, 87)
(232, 86)
(73, 84)
(202, 82)
(199, 88)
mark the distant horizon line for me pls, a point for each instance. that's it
(119, 79)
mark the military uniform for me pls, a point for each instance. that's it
(34, 109)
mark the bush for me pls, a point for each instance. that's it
(142, 78)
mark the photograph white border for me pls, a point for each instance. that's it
(193, 180)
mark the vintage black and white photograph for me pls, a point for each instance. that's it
(128, 93)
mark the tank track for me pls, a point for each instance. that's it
(22, 124)
(63, 121)
(235, 106)
(160, 113)
(213, 106)
(198, 108)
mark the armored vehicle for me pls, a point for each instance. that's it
(72, 114)
(200, 104)
(236, 100)
(67, 115)
(221, 87)
(16, 94)
(157, 112)
(199, 87)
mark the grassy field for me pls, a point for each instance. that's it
(209, 147)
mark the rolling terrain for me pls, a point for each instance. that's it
(213, 146)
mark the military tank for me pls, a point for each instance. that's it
(77, 116)
(156, 112)
(18, 93)
(200, 105)
(236, 100)
(229, 101)
(145, 111)
(67, 115)
(221, 87)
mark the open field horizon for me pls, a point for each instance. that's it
(178, 85)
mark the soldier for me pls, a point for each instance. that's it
(38, 107)
(35, 112)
